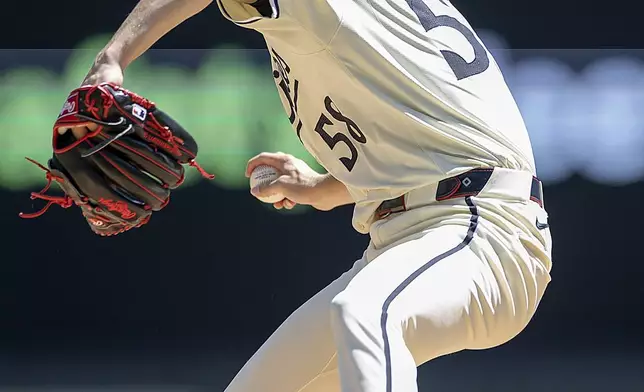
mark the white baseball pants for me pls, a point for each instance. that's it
(437, 279)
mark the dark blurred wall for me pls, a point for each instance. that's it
(526, 24)
(234, 269)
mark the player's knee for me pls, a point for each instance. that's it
(350, 308)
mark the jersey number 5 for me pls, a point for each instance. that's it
(462, 69)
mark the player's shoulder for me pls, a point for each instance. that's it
(284, 19)
(244, 12)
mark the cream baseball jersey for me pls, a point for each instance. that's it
(388, 95)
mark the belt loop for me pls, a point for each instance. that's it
(391, 206)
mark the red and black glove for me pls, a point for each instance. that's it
(124, 170)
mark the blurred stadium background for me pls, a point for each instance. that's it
(79, 313)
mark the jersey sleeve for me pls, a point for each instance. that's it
(307, 23)
(243, 13)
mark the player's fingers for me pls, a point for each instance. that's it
(288, 204)
(279, 205)
(270, 189)
(91, 127)
(274, 159)
(79, 131)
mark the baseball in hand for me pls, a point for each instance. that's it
(264, 174)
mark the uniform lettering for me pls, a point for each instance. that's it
(352, 127)
(281, 71)
(328, 119)
(461, 68)
(339, 137)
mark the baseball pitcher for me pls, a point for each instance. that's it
(408, 112)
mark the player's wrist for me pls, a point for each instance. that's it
(329, 193)
(108, 55)
(106, 68)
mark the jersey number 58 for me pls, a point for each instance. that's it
(332, 140)
(461, 68)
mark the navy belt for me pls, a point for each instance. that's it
(466, 184)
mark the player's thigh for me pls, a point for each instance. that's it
(300, 354)
(328, 381)
(433, 289)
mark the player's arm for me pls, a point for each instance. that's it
(147, 23)
(298, 183)
(330, 193)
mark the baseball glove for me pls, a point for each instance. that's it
(124, 170)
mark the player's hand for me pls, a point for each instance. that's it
(104, 70)
(297, 182)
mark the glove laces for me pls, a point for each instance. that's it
(174, 142)
(201, 170)
(63, 201)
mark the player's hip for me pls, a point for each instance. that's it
(506, 205)
(488, 235)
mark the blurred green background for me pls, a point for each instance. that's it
(229, 103)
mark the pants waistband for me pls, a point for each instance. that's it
(491, 182)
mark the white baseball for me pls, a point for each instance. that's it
(264, 174)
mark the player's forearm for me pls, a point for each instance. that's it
(331, 193)
(147, 23)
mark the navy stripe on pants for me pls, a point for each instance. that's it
(385, 307)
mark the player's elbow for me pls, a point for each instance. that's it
(323, 207)
(194, 4)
